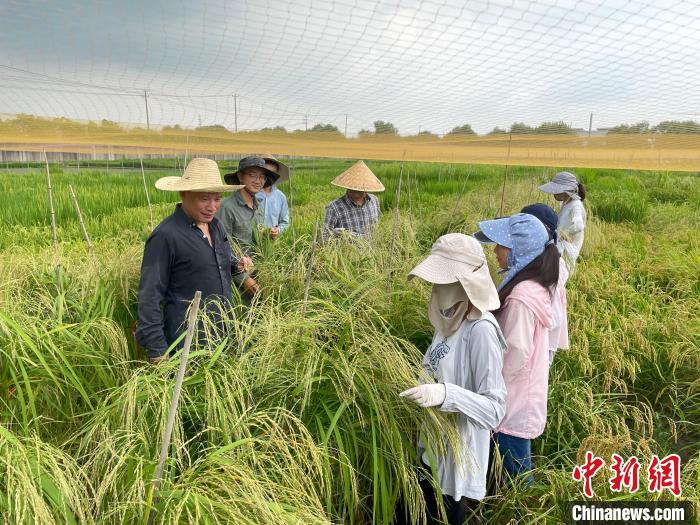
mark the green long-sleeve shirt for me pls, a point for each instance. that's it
(241, 223)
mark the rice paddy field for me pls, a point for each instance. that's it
(294, 415)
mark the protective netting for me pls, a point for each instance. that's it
(606, 83)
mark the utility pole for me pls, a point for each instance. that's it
(346, 125)
(145, 99)
(235, 113)
(590, 124)
(306, 122)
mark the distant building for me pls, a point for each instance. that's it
(599, 132)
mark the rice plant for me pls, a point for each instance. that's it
(292, 415)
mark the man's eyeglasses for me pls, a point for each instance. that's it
(254, 176)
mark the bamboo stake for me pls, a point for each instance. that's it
(398, 189)
(74, 198)
(57, 261)
(505, 175)
(291, 206)
(396, 221)
(187, 150)
(458, 200)
(408, 185)
(145, 189)
(393, 241)
(309, 269)
(177, 389)
(417, 190)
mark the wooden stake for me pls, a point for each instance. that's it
(309, 269)
(291, 206)
(187, 150)
(145, 189)
(177, 389)
(417, 190)
(393, 241)
(396, 219)
(505, 175)
(86, 235)
(398, 189)
(459, 199)
(57, 261)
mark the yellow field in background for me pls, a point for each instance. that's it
(639, 151)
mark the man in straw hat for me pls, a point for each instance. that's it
(241, 213)
(274, 202)
(186, 252)
(462, 371)
(357, 211)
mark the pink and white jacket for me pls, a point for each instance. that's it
(525, 319)
(559, 333)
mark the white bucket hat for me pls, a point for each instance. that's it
(563, 182)
(201, 175)
(456, 257)
(358, 177)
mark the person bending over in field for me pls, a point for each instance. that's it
(559, 333)
(530, 260)
(273, 201)
(465, 360)
(241, 214)
(570, 193)
(356, 212)
(187, 251)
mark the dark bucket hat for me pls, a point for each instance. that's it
(251, 162)
(545, 214)
(282, 169)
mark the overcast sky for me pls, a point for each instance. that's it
(419, 64)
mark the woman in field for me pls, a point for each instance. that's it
(559, 333)
(572, 214)
(530, 260)
(274, 202)
(465, 361)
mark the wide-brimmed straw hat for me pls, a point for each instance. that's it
(358, 177)
(201, 176)
(282, 169)
(563, 182)
(251, 162)
(456, 257)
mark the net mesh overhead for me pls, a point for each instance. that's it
(426, 67)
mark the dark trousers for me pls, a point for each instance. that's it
(516, 456)
(457, 512)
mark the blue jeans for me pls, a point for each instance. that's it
(516, 455)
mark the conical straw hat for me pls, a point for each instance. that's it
(201, 175)
(358, 177)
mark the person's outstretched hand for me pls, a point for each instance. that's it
(430, 395)
(245, 264)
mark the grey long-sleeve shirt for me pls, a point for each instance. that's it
(470, 364)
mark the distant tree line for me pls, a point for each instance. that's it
(23, 124)
(667, 126)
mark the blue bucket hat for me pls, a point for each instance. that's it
(545, 214)
(523, 234)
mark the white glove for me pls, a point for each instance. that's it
(430, 395)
